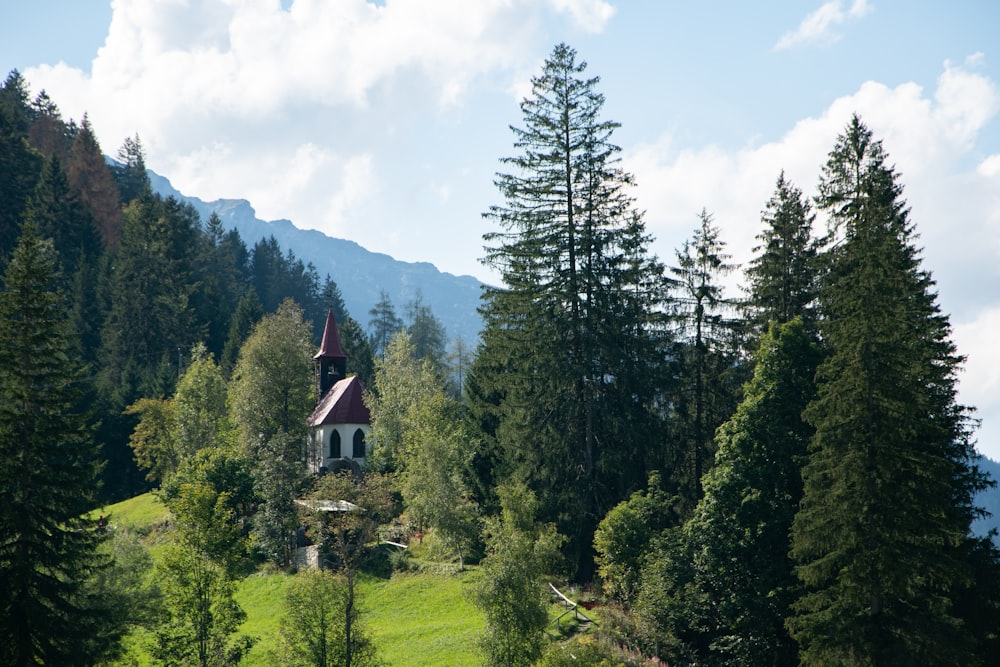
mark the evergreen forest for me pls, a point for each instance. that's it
(783, 477)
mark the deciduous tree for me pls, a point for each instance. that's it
(203, 618)
(519, 550)
(271, 394)
(312, 628)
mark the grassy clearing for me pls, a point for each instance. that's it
(417, 619)
(423, 619)
(261, 596)
(141, 513)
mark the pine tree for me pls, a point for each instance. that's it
(384, 324)
(783, 278)
(426, 332)
(14, 103)
(248, 312)
(888, 488)
(19, 163)
(571, 334)
(150, 321)
(48, 133)
(48, 472)
(56, 210)
(221, 264)
(91, 177)
(130, 174)
(705, 354)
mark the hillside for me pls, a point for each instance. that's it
(420, 618)
(359, 273)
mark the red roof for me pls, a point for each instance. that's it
(330, 346)
(343, 404)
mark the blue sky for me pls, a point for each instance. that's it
(383, 123)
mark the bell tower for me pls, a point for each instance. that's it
(331, 362)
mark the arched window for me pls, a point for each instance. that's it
(335, 445)
(359, 444)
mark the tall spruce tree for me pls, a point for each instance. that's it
(130, 173)
(783, 277)
(705, 354)
(19, 163)
(384, 324)
(882, 532)
(48, 472)
(150, 320)
(572, 331)
(90, 175)
(59, 215)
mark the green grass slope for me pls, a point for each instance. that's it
(416, 619)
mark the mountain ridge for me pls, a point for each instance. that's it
(360, 274)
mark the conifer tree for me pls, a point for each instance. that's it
(783, 277)
(705, 354)
(384, 324)
(248, 312)
(130, 174)
(48, 133)
(572, 332)
(56, 210)
(222, 265)
(19, 163)
(14, 102)
(90, 176)
(150, 320)
(880, 538)
(732, 609)
(426, 332)
(48, 472)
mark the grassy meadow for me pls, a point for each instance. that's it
(422, 617)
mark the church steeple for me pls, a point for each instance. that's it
(331, 362)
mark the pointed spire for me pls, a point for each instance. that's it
(330, 347)
(331, 362)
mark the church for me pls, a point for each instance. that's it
(340, 423)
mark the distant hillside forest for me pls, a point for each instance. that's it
(146, 280)
(785, 478)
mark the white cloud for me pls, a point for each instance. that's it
(819, 27)
(286, 107)
(980, 377)
(165, 63)
(591, 15)
(990, 167)
(357, 185)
